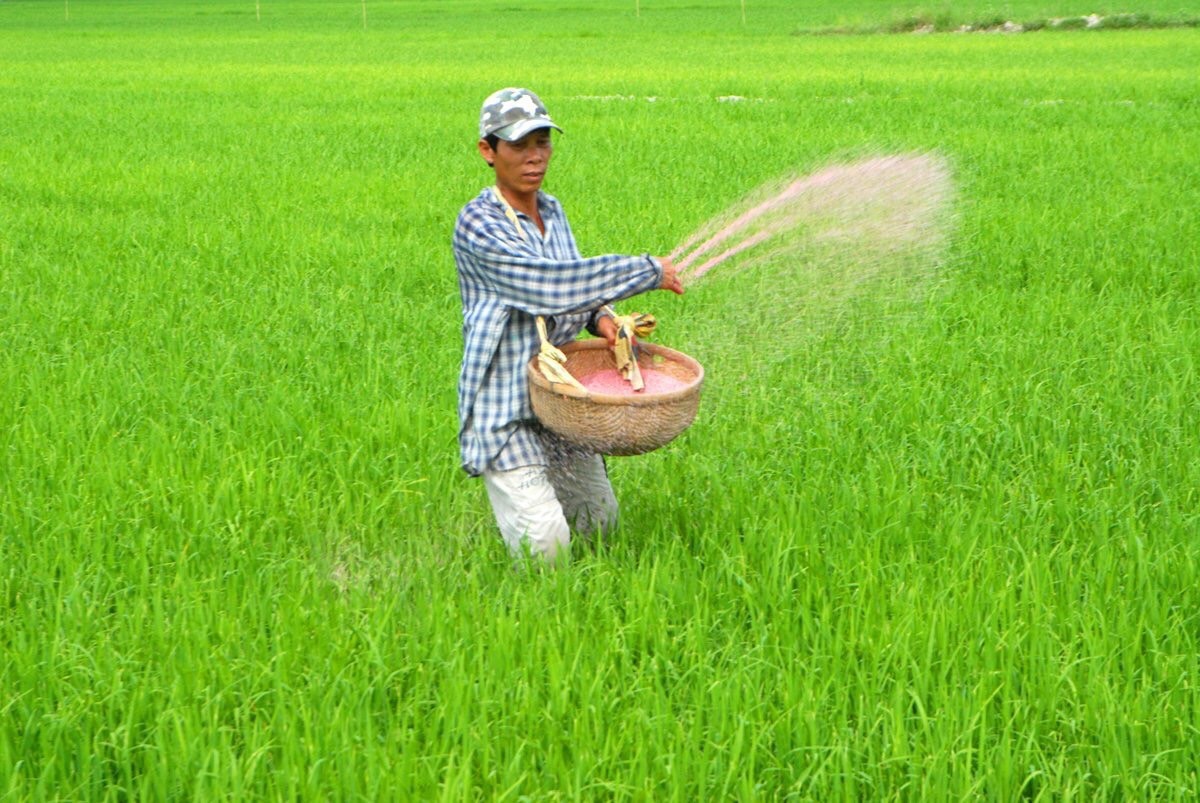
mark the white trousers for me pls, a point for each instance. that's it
(538, 506)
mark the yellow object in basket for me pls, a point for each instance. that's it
(553, 362)
(625, 350)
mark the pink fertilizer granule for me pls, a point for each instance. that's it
(610, 381)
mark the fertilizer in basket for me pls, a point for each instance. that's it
(610, 381)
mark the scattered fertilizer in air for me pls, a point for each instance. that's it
(851, 247)
(870, 208)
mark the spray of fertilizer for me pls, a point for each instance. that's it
(877, 204)
(851, 240)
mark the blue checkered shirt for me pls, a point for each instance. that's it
(506, 281)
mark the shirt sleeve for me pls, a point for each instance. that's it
(539, 285)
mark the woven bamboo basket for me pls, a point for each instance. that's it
(611, 424)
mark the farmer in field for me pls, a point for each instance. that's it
(518, 260)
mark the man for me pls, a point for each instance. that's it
(518, 260)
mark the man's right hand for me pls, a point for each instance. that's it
(670, 279)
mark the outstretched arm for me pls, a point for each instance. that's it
(605, 326)
(496, 256)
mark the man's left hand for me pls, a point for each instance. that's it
(607, 327)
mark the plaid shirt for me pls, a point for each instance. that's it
(506, 281)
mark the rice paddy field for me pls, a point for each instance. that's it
(932, 539)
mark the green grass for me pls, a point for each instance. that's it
(937, 550)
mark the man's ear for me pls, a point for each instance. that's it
(489, 155)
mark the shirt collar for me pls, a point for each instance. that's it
(546, 203)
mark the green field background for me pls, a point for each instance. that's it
(942, 549)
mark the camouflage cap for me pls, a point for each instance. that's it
(512, 113)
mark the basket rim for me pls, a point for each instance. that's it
(633, 400)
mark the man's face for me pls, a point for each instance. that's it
(521, 165)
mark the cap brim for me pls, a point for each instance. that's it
(511, 133)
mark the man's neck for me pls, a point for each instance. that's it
(524, 203)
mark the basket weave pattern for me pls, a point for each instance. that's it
(611, 424)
